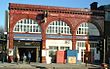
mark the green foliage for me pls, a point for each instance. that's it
(2, 35)
(1, 29)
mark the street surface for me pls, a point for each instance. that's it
(46, 66)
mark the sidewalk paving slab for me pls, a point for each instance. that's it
(47, 66)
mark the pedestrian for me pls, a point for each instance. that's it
(18, 57)
(3, 56)
(86, 61)
(21, 58)
(24, 57)
(29, 57)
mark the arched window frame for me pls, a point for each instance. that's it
(58, 27)
(87, 29)
(27, 25)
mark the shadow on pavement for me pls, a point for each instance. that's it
(40, 67)
(94, 68)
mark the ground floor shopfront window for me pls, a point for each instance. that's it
(94, 56)
(57, 45)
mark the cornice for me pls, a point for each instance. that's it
(54, 9)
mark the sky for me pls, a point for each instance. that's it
(62, 3)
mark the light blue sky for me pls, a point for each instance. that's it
(64, 3)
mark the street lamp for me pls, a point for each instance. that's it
(104, 52)
(104, 65)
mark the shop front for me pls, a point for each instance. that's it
(25, 46)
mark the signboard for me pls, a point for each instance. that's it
(59, 36)
(81, 37)
(44, 52)
(27, 43)
(28, 37)
(71, 59)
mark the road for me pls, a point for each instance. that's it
(47, 66)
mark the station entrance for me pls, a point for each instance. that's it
(25, 47)
(24, 51)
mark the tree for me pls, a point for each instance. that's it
(3, 44)
(1, 29)
(1, 32)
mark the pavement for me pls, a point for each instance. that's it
(47, 66)
(68, 66)
(15, 66)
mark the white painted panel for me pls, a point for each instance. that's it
(59, 43)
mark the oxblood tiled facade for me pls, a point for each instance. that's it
(72, 16)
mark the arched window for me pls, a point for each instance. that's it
(27, 25)
(58, 27)
(87, 29)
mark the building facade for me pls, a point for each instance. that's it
(43, 30)
(106, 31)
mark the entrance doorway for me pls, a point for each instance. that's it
(24, 47)
(25, 51)
(82, 51)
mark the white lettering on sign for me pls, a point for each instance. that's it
(27, 43)
(81, 37)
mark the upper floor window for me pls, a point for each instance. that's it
(27, 25)
(58, 27)
(87, 29)
(107, 16)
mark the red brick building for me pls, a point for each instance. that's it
(42, 30)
